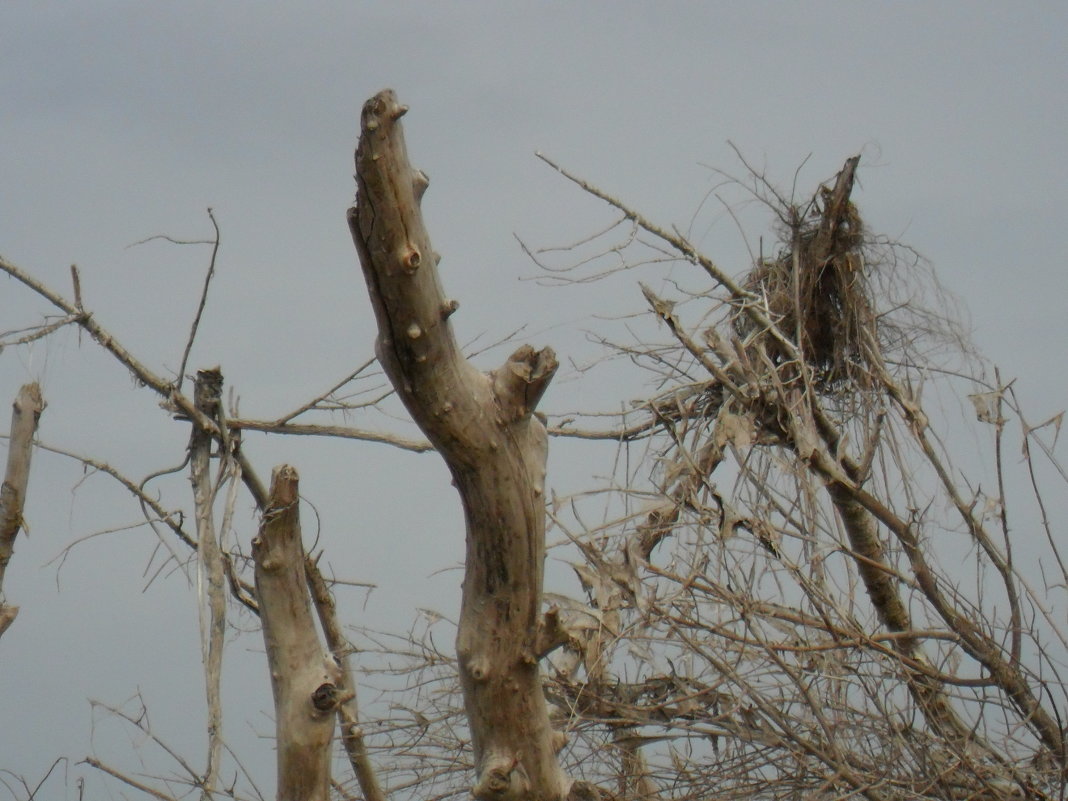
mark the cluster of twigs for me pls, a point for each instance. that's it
(785, 589)
(222, 569)
(815, 290)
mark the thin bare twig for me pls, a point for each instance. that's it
(37, 332)
(315, 401)
(203, 298)
(122, 777)
(165, 389)
(343, 432)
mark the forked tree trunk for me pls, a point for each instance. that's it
(484, 427)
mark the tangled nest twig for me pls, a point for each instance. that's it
(816, 290)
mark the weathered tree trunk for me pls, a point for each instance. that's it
(24, 416)
(207, 398)
(304, 679)
(484, 427)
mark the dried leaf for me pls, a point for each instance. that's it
(986, 406)
(805, 440)
(728, 521)
(734, 428)
(663, 308)
(575, 615)
(1056, 420)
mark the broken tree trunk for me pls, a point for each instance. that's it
(207, 398)
(484, 427)
(26, 412)
(304, 679)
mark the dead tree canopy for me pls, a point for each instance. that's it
(485, 429)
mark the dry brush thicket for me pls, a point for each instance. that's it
(793, 584)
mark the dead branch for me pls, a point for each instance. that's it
(167, 390)
(215, 242)
(207, 396)
(314, 402)
(342, 432)
(129, 780)
(36, 332)
(241, 590)
(565, 429)
(352, 734)
(25, 414)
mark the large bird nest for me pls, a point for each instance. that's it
(816, 291)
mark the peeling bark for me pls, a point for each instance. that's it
(26, 412)
(304, 679)
(484, 427)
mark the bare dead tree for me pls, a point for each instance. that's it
(774, 604)
(485, 429)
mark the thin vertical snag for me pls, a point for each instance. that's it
(26, 412)
(304, 679)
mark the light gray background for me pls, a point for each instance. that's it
(120, 120)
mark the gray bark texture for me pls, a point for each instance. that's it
(25, 413)
(483, 426)
(304, 679)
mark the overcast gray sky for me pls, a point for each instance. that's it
(120, 120)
